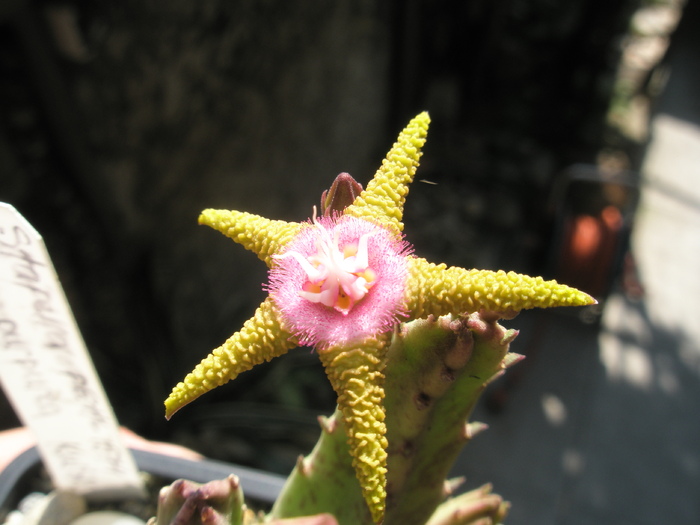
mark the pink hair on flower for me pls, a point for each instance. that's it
(341, 279)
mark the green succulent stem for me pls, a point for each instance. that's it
(435, 374)
(325, 480)
(436, 370)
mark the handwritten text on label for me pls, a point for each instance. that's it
(47, 374)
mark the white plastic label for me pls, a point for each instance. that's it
(47, 374)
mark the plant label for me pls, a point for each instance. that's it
(48, 376)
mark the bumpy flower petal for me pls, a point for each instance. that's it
(262, 236)
(385, 195)
(435, 289)
(317, 322)
(261, 339)
(356, 373)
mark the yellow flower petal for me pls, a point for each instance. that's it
(261, 339)
(384, 197)
(436, 289)
(356, 374)
(262, 236)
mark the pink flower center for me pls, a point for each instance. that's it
(336, 277)
(340, 279)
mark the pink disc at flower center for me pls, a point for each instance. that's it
(335, 278)
(340, 279)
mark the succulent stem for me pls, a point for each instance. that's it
(436, 370)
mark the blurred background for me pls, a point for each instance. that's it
(121, 120)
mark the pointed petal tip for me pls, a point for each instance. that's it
(172, 405)
(580, 298)
(565, 295)
(420, 121)
(423, 116)
(205, 217)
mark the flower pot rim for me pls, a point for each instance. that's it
(258, 485)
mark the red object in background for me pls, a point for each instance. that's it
(590, 250)
(593, 213)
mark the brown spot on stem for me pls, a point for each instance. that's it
(407, 449)
(423, 401)
(447, 374)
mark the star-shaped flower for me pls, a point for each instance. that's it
(342, 283)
